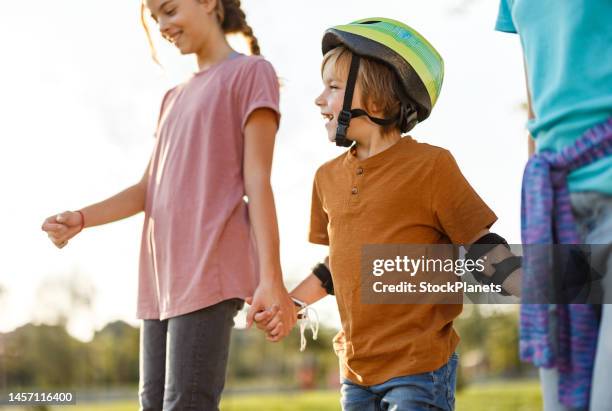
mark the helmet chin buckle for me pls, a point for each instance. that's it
(343, 124)
(343, 141)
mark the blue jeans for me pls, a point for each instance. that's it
(433, 390)
(593, 213)
(183, 359)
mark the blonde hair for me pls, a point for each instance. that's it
(231, 18)
(377, 81)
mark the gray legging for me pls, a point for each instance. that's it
(183, 359)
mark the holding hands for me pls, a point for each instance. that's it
(271, 318)
(272, 310)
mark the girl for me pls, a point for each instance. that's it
(203, 250)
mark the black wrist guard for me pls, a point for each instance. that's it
(324, 275)
(503, 269)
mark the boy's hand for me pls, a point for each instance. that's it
(62, 227)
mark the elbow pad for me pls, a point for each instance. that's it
(503, 269)
(324, 275)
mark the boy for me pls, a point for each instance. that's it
(382, 78)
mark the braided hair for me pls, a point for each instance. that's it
(233, 20)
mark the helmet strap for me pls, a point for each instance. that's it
(380, 121)
(346, 114)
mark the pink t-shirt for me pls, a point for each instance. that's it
(197, 249)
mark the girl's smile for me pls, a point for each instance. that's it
(184, 23)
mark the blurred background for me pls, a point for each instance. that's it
(80, 100)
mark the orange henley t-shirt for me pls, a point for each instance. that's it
(410, 193)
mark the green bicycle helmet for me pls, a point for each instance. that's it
(418, 66)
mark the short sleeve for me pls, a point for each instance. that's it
(504, 18)
(318, 218)
(459, 211)
(259, 88)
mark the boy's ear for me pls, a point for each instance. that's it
(372, 108)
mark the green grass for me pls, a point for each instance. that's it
(501, 396)
(497, 396)
(310, 401)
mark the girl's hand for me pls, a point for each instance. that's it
(62, 227)
(269, 321)
(275, 296)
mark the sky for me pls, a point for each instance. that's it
(80, 99)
